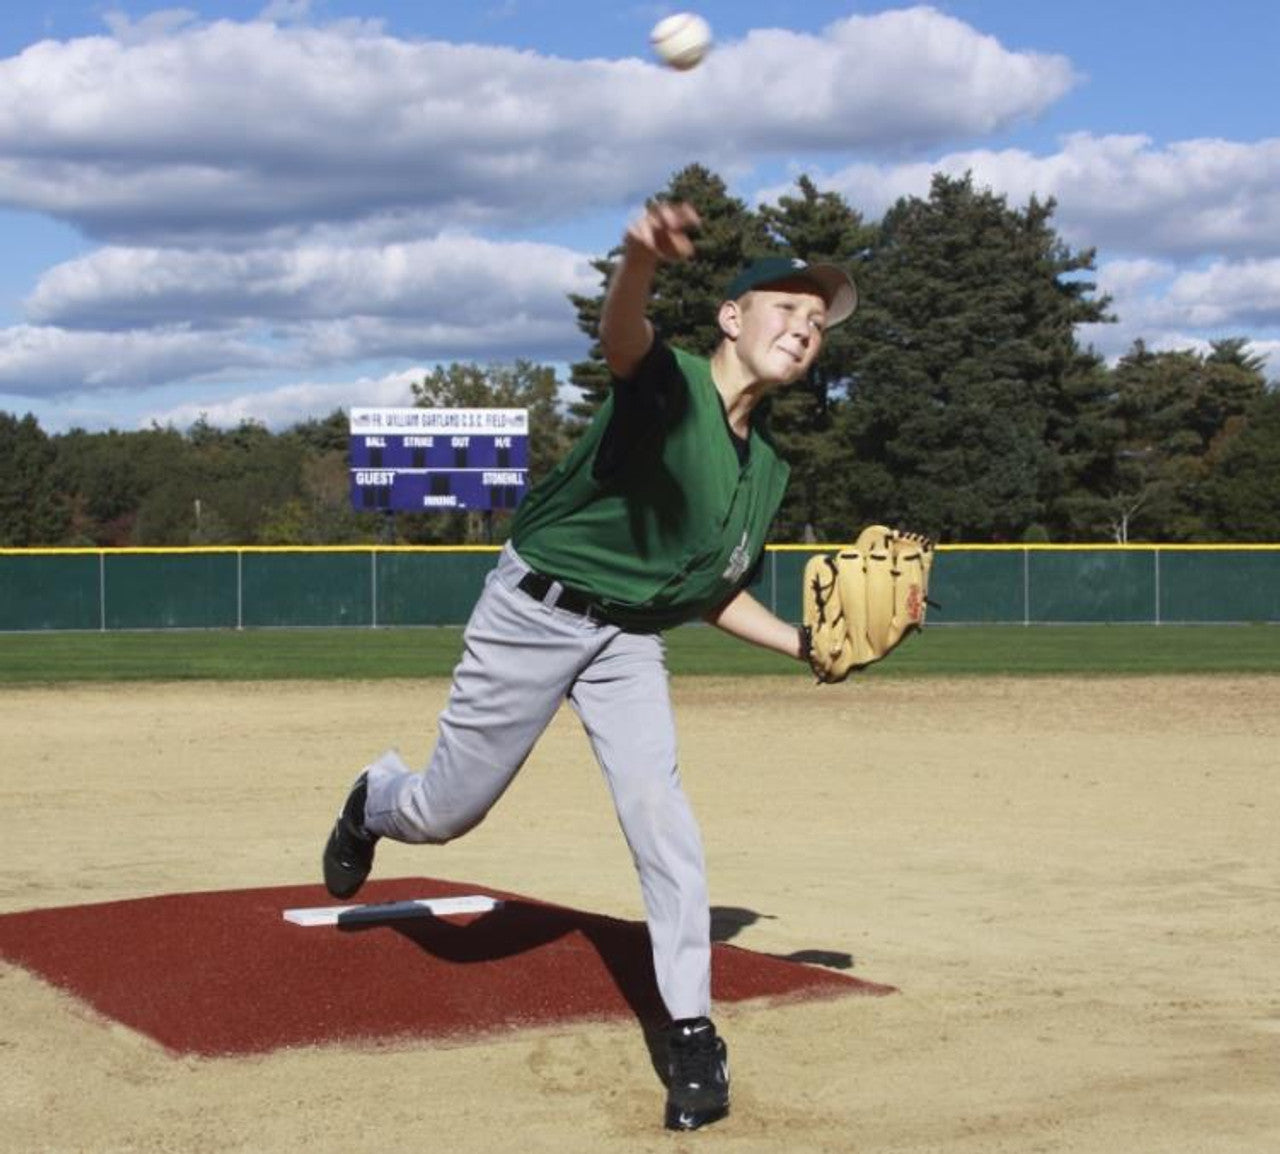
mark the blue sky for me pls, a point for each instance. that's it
(269, 209)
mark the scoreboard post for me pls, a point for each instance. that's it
(446, 460)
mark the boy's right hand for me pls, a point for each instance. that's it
(662, 231)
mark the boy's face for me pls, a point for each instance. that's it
(777, 331)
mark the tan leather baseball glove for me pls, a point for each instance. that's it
(863, 601)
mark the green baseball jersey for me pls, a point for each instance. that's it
(676, 522)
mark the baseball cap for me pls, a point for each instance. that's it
(835, 285)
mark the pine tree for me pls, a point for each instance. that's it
(1230, 383)
(1084, 436)
(960, 353)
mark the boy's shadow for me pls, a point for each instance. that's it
(727, 922)
(515, 927)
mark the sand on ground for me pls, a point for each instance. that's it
(1073, 883)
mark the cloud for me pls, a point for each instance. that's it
(1214, 295)
(1243, 293)
(280, 196)
(288, 404)
(135, 318)
(455, 280)
(277, 196)
(45, 361)
(169, 130)
(39, 361)
(1124, 278)
(1121, 193)
(847, 85)
(123, 317)
(1169, 308)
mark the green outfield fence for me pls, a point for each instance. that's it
(254, 587)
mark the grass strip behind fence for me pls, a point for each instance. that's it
(362, 654)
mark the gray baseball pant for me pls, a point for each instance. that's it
(521, 659)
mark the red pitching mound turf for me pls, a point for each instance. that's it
(224, 973)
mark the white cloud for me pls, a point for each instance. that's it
(1171, 307)
(455, 280)
(168, 130)
(47, 361)
(289, 197)
(288, 404)
(1168, 308)
(1124, 278)
(501, 338)
(1121, 193)
(134, 318)
(280, 197)
(44, 361)
(1243, 293)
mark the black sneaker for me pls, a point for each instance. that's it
(348, 854)
(697, 1075)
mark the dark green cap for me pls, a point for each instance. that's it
(834, 285)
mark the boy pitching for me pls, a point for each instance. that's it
(656, 517)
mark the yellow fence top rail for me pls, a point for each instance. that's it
(1094, 547)
(160, 550)
(957, 547)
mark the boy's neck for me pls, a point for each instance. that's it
(739, 393)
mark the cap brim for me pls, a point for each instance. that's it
(838, 290)
(834, 285)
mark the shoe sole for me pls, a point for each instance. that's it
(678, 1119)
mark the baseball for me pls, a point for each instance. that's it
(682, 40)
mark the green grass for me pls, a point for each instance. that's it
(1090, 649)
(376, 653)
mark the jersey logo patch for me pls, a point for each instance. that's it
(739, 561)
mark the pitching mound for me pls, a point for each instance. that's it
(224, 973)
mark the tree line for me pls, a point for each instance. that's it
(958, 401)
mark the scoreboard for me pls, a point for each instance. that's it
(417, 460)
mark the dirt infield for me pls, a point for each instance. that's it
(1073, 884)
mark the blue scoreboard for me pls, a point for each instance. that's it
(417, 460)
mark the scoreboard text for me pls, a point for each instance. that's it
(417, 460)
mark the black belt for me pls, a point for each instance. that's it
(538, 585)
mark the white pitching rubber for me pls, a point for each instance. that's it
(387, 911)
